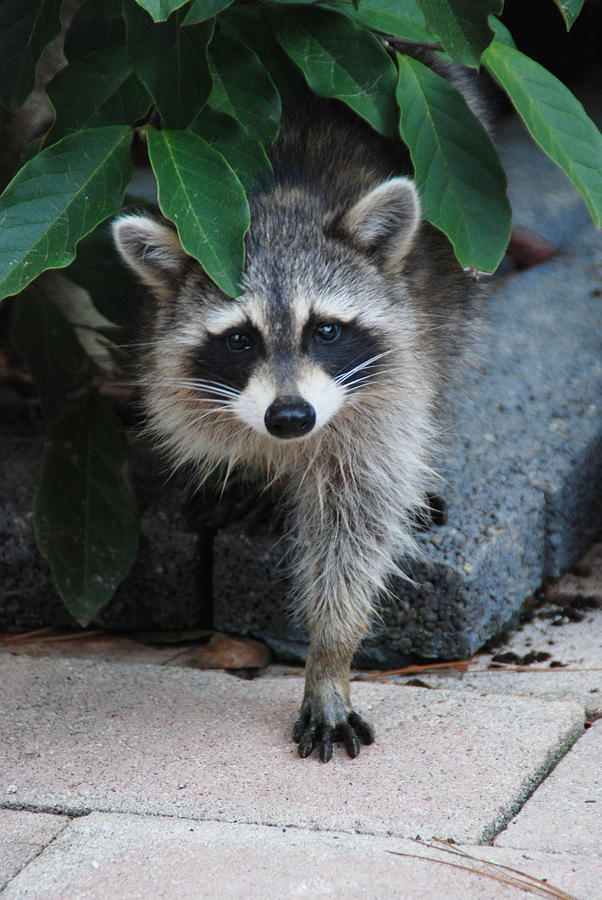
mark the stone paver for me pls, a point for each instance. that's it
(577, 645)
(103, 856)
(23, 835)
(77, 736)
(565, 813)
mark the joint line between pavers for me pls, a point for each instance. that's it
(5, 884)
(553, 757)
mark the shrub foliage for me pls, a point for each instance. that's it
(200, 84)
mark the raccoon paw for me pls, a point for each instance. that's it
(313, 731)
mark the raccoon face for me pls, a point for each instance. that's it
(308, 332)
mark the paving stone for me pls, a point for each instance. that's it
(23, 835)
(77, 736)
(565, 812)
(576, 646)
(101, 856)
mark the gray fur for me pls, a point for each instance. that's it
(336, 235)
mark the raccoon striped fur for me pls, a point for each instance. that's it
(328, 373)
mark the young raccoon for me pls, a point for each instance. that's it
(327, 373)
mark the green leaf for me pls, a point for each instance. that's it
(26, 27)
(458, 173)
(55, 358)
(172, 63)
(340, 59)
(555, 119)
(97, 24)
(98, 89)
(243, 89)
(201, 10)
(57, 198)
(569, 10)
(502, 34)
(111, 285)
(462, 26)
(243, 153)
(400, 18)
(84, 515)
(160, 10)
(201, 194)
(243, 23)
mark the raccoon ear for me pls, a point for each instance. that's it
(151, 249)
(386, 219)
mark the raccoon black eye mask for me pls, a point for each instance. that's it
(329, 372)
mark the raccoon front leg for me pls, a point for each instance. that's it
(341, 567)
(326, 713)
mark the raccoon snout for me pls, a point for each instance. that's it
(290, 417)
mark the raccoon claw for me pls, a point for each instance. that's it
(352, 733)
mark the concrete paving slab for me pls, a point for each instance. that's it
(23, 835)
(577, 646)
(102, 856)
(565, 813)
(77, 736)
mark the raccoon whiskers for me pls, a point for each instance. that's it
(213, 388)
(342, 378)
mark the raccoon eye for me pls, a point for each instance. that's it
(238, 341)
(328, 332)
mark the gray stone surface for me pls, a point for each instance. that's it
(23, 835)
(77, 736)
(565, 812)
(523, 483)
(173, 559)
(102, 856)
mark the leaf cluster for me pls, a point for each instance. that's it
(201, 85)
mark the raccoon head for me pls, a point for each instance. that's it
(306, 336)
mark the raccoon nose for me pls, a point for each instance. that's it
(290, 417)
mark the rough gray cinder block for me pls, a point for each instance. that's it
(522, 486)
(169, 585)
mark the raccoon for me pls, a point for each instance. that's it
(328, 373)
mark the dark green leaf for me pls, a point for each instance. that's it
(502, 34)
(244, 153)
(340, 59)
(400, 18)
(243, 89)
(57, 198)
(26, 27)
(97, 24)
(201, 194)
(462, 26)
(160, 10)
(458, 173)
(172, 63)
(569, 10)
(201, 10)
(55, 358)
(84, 515)
(98, 89)
(555, 119)
(243, 23)
(111, 285)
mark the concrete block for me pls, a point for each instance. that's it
(77, 736)
(565, 812)
(522, 482)
(101, 856)
(173, 560)
(23, 835)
